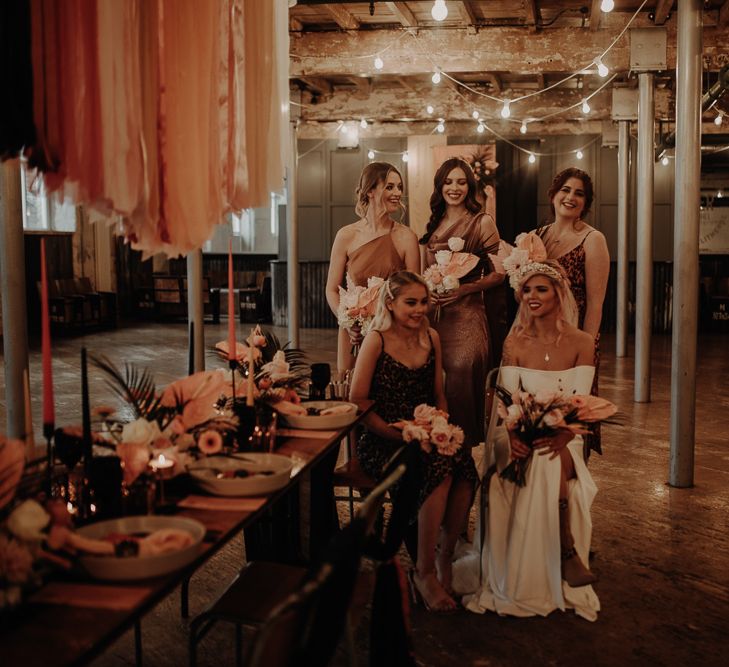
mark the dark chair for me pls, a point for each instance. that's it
(303, 613)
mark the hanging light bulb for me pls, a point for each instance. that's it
(441, 126)
(505, 110)
(579, 155)
(607, 6)
(602, 69)
(475, 115)
(379, 63)
(718, 120)
(371, 154)
(429, 109)
(405, 156)
(439, 12)
(523, 128)
(436, 77)
(664, 161)
(719, 195)
(532, 158)
(363, 123)
(480, 128)
(585, 107)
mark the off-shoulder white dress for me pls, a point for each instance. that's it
(516, 568)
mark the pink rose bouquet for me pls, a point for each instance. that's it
(450, 266)
(431, 428)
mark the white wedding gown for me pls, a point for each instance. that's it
(516, 569)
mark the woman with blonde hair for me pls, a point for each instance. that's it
(399, 367)
(375, 245)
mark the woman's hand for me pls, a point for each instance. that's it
(452, 296)
(355, 334)
(519, 449)
(554, 444)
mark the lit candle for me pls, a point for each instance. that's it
(249, 393)
(161, 463)
(231, 306)
(49, 418)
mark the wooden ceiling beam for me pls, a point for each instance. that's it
(403, 14)
(342, 16)
(468, 16)
(595, 15)
(663, 7)
(724, 14)
(495, 82)
(515, 50)
(295, 25)
(317, 84)
(531, 14)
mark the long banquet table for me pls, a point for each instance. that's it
(72, 620)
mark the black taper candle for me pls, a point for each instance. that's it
(191, 351)
(86, 413)
(48, 429)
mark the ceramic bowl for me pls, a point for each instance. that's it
(207, 474)
(322, 422)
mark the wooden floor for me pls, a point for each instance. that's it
(662, 553)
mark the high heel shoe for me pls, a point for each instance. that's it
(443, 604)
(574, 571)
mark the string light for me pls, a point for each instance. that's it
(718, 120)
(664, 161)
(602, 69)
(371, 154)
(439, 12)
(363, 123)
(585, 107)
(505, 110)
(532, 158)
(475, 115)
(579, 155)
(441, 126)
(405, 156)
(379, 63)
(523, 128)
(480, 128)
(607, 6)
(719, 195)
(436, 77)
(429, 109)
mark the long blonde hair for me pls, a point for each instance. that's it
(524, 321)
(372, 175)
(391, 289)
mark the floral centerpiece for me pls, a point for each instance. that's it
(430, 427)
(534, 416)
(450, 266)
(357, 304)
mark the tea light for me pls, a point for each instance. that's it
(161, 463)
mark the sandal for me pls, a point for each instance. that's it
(442, 604)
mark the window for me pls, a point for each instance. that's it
(43, 212)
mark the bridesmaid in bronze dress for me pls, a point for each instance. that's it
(462, 324)
(582, 251)
(375, 245)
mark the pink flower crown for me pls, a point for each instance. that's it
(524, 259)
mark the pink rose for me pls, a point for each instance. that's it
(554, 418)
(412, 432)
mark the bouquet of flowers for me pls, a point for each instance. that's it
(450, 266)
(534, 416)
(357, 304)
(431, 428)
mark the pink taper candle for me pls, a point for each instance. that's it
(49, 417)
(231, 305)
(249, 389)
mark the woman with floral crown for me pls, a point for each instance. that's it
(375, 245)
(536, 537)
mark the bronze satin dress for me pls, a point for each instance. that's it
(464, 332)
(378, 257)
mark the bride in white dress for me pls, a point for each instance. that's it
(536, 538)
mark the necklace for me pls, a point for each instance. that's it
(548, 344)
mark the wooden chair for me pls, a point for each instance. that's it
(303, 612)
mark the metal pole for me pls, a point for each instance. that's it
(644, 249)
(686, 243)
(621, 338)
(292, 237)
(195, 315)
(15, 325)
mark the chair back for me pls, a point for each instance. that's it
(306, 627)
(491, 418)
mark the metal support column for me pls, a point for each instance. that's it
(195, 313)
(686, 243)
(621, 337)
(644, 249)
(292, 238)
(15, 325)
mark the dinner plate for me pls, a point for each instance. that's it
(322, 422)
(114, 568)
(266, 473)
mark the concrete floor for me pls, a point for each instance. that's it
(662, 553)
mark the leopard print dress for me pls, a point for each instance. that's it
(397, 390)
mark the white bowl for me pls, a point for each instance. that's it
(114, 568)
(322, 422)
(205, 471)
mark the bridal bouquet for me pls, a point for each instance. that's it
(357, 304)
(450, 266)
(431, 428)
(540, 415)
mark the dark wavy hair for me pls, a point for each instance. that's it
(561, 178)
(437, 202)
